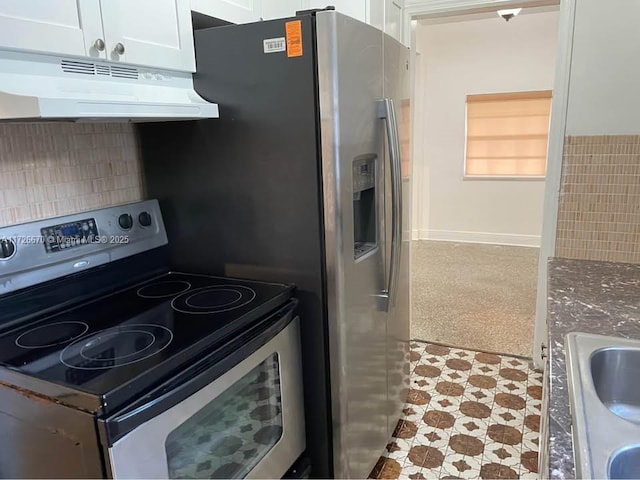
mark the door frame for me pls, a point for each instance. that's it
(445, 8)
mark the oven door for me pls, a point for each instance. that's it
(238, 414)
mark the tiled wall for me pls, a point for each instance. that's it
(50, 169)
(599, 211)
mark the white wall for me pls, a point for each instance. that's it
(473, 57)
(604, 87)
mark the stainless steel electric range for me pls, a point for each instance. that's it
(112, 365)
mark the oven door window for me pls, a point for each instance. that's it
(230, 435)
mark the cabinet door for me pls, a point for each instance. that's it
(42, 25)
(280, 8)
(375, 13)
(234, 11)
(393, 18)
(155, 33)
(354, 8)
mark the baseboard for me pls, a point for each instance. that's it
(478, 237)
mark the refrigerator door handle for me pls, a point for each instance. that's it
(387, 111)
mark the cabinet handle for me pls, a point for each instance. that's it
(119, 49)
(99, 44)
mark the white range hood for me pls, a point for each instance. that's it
(48, 87)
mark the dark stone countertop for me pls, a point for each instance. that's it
(584, 296)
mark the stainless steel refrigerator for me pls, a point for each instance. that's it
(305, 178)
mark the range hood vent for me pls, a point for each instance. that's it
(69, 66)
(124, 72)
(89, 68)
(46, 87)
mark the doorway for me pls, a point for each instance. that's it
(482, 85)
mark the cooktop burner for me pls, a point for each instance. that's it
(151, 329)
(214, 299)
(164, 289)
(116, 347)
(52, 334)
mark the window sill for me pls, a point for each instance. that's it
(502, 177)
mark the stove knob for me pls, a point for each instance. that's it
(7, 249)
(125, 221)
(145, 219)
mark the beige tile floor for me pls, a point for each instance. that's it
(474, 296)
(468, 415)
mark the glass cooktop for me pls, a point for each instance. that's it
(133, 338)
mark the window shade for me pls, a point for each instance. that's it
(507, 134)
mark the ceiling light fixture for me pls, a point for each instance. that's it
(509, 13)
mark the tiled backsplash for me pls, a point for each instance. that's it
(50, 169)
(599, 211)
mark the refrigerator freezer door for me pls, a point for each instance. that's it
(396, 88)
(350, 65)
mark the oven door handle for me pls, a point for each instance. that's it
(198, 375)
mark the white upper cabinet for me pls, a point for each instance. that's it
(91, 19)
(383, 14)
(354, 8)
(393, 18)
(234, 11)
(149, 32)
(155, 33)
(280, 8)
(375, 11)
(42, 25)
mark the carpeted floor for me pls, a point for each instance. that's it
(474, 296)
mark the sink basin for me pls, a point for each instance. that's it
(625, 464)
(616, 377)
(604, 396)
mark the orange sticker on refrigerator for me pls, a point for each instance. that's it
(293, 32)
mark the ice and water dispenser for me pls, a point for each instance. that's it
(364, 205)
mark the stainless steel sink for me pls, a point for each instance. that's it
(604, 393)
(625, 463)
(616, 376)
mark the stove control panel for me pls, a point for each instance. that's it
(39, 251)
(57, 238)
(7, 248)
(125, 221)
(145, 219)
